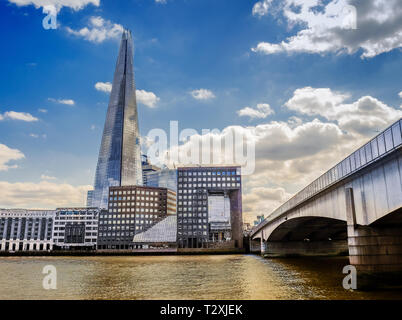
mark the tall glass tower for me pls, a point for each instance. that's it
(119, 162)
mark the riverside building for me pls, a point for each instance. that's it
(76, 228)
(209, 207)
(132, 210)
(26, 230)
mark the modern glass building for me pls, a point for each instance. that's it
(147, 167)
(119, 162)
(165, 178)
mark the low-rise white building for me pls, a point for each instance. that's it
(76, 228)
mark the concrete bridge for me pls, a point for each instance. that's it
(354, 209)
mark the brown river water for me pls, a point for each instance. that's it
(222, 277)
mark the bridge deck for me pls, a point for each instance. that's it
(385, 143)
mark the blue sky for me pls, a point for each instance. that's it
(182, 46)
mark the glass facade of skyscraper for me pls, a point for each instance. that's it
(119, 162)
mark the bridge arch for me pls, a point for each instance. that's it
(310, 229)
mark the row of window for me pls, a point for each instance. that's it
(206, 185)
(76, 213)
(213, 179)
(116, 234)
(87, 234)
(192, 233)
(134, 198)
(136, 210)
(209, 173)
(195, 203)
(133, 192)
(194, 221)
(124, 216)
(86, 240)
(66, 218)
(127, 222)
(190, 227)
(190, 215)
(181, 209)
(132, 204)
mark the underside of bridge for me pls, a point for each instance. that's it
(308, 236)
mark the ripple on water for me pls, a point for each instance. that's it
(180, 277)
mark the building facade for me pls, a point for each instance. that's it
(161, 236)
(76, 228)
(147, 168)
(165, 178)
(119, 162)
(209, 207)
(26, 230)
(132, 209)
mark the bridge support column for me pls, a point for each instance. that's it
(263, 246)
(376, 252)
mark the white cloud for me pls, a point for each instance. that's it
(364, 116)
(42, 110)
(44, 195)
(161, 1)
(6, 155)
(261, 200)
(104, 86)
(400, 94)
(21, 116)
(46, 177)
(58, 4)
(202, 94)
(68, 102)
(290, 155)
(148, 99)
(261, 7)
(34, 135)
(99, 30)
(263, 111)
(287, 157)
(338, 26)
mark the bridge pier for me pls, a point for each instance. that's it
(254, 246)
(264, 247)
(375, 251)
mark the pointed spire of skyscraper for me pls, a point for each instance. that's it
(119, 162)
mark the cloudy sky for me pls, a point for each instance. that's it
(308, 80)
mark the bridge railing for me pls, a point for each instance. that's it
(384, 143)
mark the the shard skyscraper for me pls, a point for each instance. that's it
(119, 162)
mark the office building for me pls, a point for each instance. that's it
(76, 228)
(26, 230)
(119, 162)
(133, 209)
(209, 207)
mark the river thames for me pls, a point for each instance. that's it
(222, 277)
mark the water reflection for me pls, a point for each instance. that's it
(180, 277)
